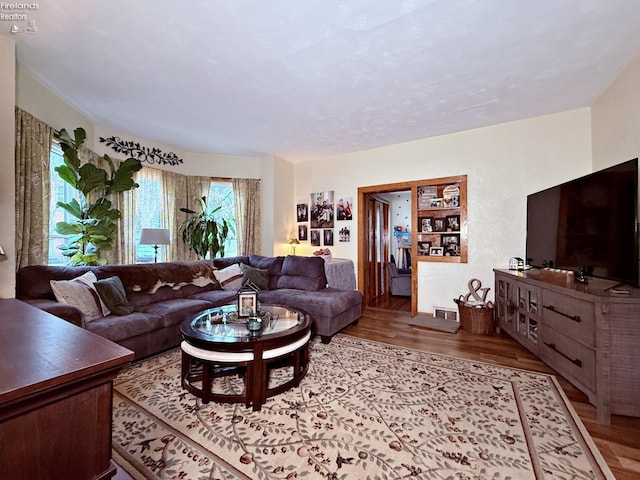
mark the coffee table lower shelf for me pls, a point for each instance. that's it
(200, 368)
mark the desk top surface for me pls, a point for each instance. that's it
(39, 351)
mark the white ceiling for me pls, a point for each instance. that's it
(306, 78)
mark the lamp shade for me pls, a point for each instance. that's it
(155, 236)
(294, 241)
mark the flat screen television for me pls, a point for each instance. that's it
(589, 223)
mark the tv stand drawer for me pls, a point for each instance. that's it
(573, 360)
(571, 316)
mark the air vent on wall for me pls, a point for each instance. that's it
(445, 313)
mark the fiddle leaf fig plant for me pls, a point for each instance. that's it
(93, 227)
(203, 232)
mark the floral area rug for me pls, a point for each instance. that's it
(364, 410)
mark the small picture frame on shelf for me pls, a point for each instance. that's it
(451, 196)
(439, 225)
(436, 251)
(435, 202)
(423, 248)
(426, 224)
(453, 223)
(451, 245)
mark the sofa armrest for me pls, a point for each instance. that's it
(67, 312)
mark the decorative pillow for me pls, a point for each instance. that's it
(258, 276)
(230, 278)
(114, 296)
(303, 273)
(81, 293)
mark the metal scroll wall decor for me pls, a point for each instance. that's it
(144, 154)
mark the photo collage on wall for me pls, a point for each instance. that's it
(324, 215)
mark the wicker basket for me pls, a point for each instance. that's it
(476, 320)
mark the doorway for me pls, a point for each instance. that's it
(377, 245)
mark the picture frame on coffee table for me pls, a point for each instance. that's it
(247, 304)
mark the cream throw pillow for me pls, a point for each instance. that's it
(230, 278)
(81, 293)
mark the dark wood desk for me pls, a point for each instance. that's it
(55, 396)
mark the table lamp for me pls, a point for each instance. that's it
(294, 243)
(155, 237)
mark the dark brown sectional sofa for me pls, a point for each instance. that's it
(165, 294)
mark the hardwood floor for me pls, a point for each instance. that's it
(391, 302)
(619, 442)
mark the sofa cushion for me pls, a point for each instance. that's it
(227, 261)
(258, 276)
(113, 295)
(120, 327)
(81, 293)
(216, 297)
(303, 273)
(272, 264)
(173, 312)
(33, 281)
(229, 278)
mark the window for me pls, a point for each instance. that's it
(221, 194)
(61, 191)
(149, 204)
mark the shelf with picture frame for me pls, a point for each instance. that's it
(440, 219)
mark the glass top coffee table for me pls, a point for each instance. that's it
(217, 343)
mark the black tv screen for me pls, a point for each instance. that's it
(588, 223)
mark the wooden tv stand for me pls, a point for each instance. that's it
(586, 333)
(55, 396)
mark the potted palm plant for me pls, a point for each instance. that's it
(204, 232)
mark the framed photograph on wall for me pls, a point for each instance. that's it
(344, 209)
(315, 237)
(344, 234)
(322, 214)
(328, 237)
(302, 212)
(302, 233)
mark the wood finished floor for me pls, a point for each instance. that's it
(619, 442)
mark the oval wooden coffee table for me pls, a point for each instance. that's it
(217, 343)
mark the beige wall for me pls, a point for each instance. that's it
(616, 120)
(7, 177)
(504, 163)
(40, 102)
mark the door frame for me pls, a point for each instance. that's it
(363, 229)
